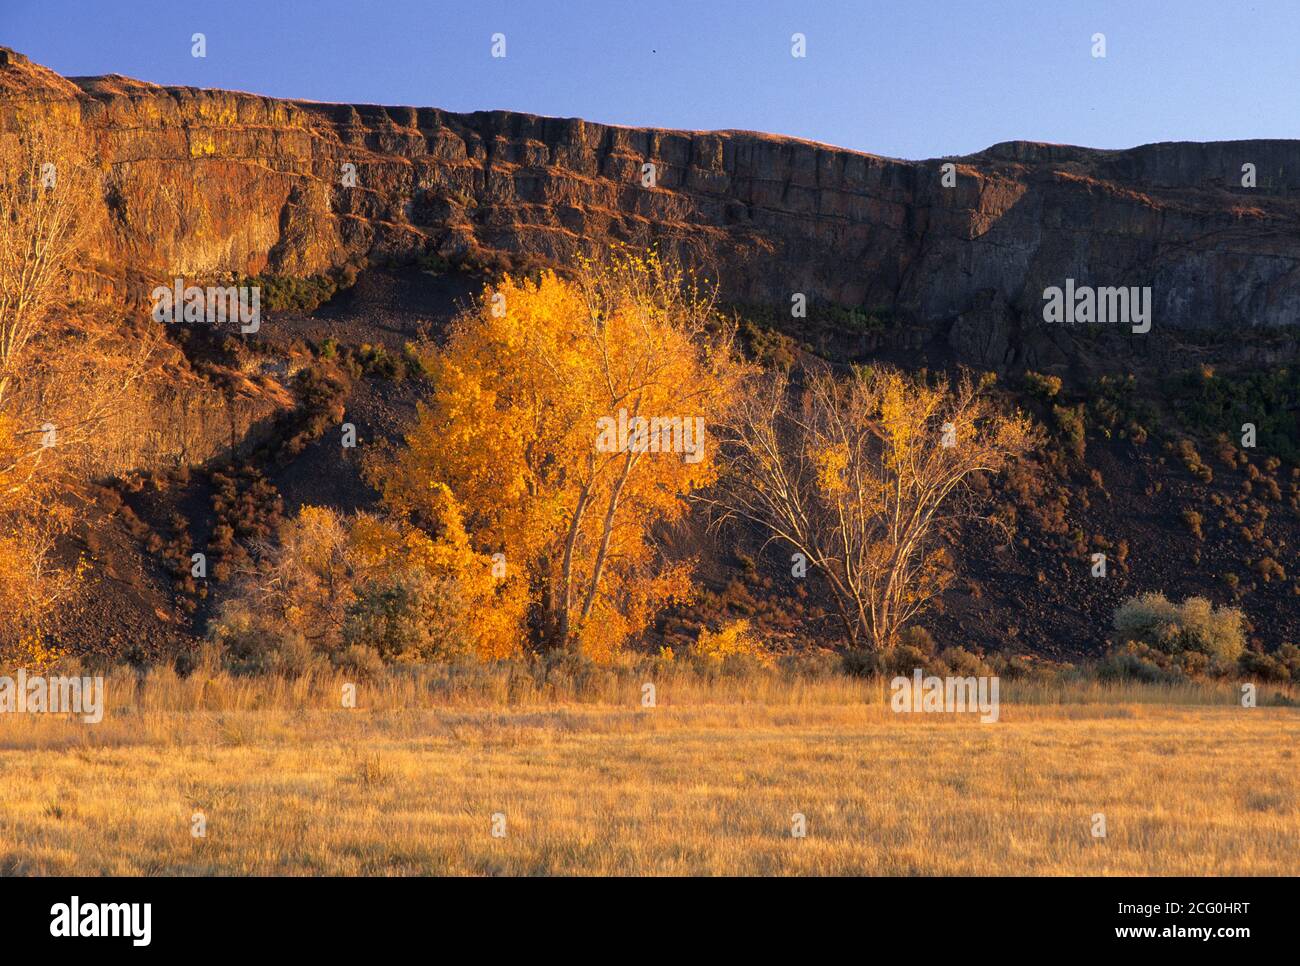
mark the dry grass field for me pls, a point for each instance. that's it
(707, 782)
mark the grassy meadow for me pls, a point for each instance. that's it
(591, 782)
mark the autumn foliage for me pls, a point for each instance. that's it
(334, 588)
(571, 424)
(564, 427)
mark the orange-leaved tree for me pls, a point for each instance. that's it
(568, 421)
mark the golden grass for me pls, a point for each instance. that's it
(705, 783)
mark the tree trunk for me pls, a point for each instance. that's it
(563, 630)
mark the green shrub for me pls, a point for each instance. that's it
(919, 638)
(433, 263)
(817, 664)
(1044, 387)
(914, 648)
(567, 672)
(905, 658)
(963, 663)
(770, 348)
(1115, 409)
(1214, 403)
(375, 361)
(1135, 661)
(1194, 625)
(1289, 655)
(412, 616)
(414, 360)
(853, 319)
(1073, 427)
(288, 293)
(255, 642)
(364, 663)
(862, 662)
(1263, 667)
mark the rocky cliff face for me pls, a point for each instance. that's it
(202, 183)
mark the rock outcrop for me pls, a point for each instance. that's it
(205, 183)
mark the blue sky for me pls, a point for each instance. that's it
(908, 78)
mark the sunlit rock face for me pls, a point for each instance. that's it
(207, 183)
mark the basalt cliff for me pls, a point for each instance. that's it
(209, 183)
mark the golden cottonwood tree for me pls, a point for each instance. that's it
(568, 420)
(861, 475)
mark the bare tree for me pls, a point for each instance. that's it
(60, 376)
(57, 372)
(45, 192)
(861, 475)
